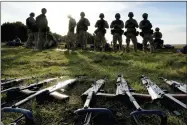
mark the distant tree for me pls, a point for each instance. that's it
(10, 30)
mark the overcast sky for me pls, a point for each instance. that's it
(170, 17)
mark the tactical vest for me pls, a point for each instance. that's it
(148, 27)
(117, 22)
(82, 25)
(130, 23)
(157, 35)
(117, 29)
(41, 22)
(101, 26)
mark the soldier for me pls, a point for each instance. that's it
(71, 36)
(157, 38)
(146, 33)
(117, 31)
(82, 27)
(42, 24)
(72, 24)
(101, 31)
(32, 31)
(131, 32)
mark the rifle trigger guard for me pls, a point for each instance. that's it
(159, 113)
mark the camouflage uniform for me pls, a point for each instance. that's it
(117, 31)
(146, 26)
(42, 24)
(158, 43)
(100, 32)
(82, 27)
(131, 32)
(70, 41)
(31, 31)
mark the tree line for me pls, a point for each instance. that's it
(10, 30)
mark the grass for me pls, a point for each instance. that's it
(21, 62)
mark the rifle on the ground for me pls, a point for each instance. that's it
(31, 86)
(50, 91)
(157, 93)
(123, 89)
(10, 82)
(5, 80)
(180, 86)
(91, 93)
(23, 91)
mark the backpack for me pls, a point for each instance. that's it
(28, 23)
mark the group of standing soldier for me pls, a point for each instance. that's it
(39, 31)
(116, 30)
(39, 35)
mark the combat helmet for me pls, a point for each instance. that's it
(145, 15)
(32, 14)
(44, 10)
(117, 15)
(101, 15)
(130, 14)
(157, 29)
(82, 14)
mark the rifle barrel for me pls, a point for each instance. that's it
(30, 97)
(176, 100)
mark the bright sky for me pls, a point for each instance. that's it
(170, 17)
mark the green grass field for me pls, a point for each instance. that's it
(20, 62)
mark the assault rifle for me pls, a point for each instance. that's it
(7, 83)
(23, 91)
(31, 86)
(50, 91)
(180, 86)
(157, 93)
(123, 89)
(91, 93)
